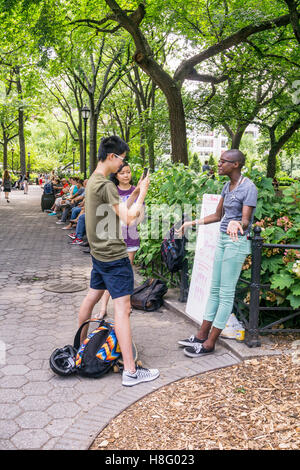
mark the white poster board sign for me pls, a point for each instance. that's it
(207, 238)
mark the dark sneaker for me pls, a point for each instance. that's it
(72, 235)
(141, 375)
(190, 341)
(197, 350)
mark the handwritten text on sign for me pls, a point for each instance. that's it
(203, 262)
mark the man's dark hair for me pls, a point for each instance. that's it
(237, 155)
(112, 144)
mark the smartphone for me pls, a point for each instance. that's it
(145, 172)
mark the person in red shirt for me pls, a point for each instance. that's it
(65, 187)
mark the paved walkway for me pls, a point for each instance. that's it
(39, 410)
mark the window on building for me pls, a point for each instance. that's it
(206, 143)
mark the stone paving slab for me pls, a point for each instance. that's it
(40, 410)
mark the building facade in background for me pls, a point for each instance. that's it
(208, 143)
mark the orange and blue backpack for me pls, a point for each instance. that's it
(98, 353)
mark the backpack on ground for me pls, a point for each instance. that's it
(48, 188)
(98, 353)
(149, 296)
(172, 251)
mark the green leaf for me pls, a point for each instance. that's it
(282, 280)
(272, 264)
(293, 232)
(296, 288)
(294, 300)
(279, 234)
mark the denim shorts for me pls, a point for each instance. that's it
(115, 276)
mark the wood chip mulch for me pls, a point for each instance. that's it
(254, 405)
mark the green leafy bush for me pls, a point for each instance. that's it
(285, 181)
(280, 267)
(279, 217)
(172, 188)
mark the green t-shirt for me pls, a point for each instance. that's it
(103, 226)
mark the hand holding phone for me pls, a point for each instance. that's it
(144, 181)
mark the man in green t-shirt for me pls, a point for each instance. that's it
(112, 269)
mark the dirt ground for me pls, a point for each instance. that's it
(254, 405)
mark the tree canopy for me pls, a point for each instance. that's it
(148, 70)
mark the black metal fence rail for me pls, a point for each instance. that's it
(252, 325)
(181, 280)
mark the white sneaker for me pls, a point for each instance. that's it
(140, 375)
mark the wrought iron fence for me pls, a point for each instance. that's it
(252, 323)
(181, 280)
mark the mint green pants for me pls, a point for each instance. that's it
(228, 263)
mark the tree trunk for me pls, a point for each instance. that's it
(5, 153)
(80, 141)
(276, 146)
(93, 142)
(141, 124)
(142, 145)
(271, 165)
(22, 141)
(236, 139)
(93, 134)
(171, 88)
(150, 142)
(21, 123)
(81, 153)
(179, 153)
(151, 131)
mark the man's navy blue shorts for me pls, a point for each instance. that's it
(115, 276)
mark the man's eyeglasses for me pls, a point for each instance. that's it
(118, 156)
(224, 161)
